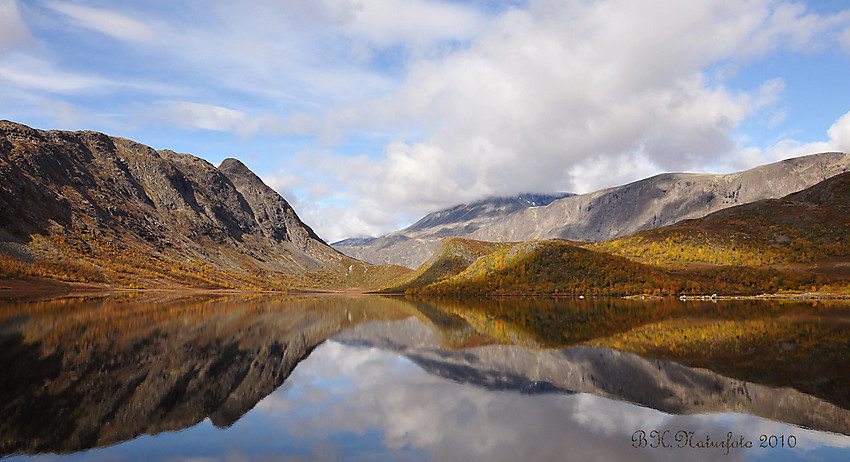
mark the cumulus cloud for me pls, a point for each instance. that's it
(838, 139)
(465, 99)
(839, 134)
(572, 96)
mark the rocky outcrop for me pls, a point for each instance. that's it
(614, 212)
(275, 218)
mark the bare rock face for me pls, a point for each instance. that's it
(90, 187)
(606, 214)
(276, 219)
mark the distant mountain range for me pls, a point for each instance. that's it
(606, 214)
(413, 245)
(800, 242)
(87, 207)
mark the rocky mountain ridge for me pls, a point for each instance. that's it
(91, 203)
(609, 213)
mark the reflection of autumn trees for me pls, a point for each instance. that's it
(88, 371)
(798, 344)
(83, 321)
(804, 346)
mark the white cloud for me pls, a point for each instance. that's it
(107, 22)
(13, 31)
(412, 21)
(471, 100)
(571, 96)
(194, 116)
(844, 40)
(35, 74)
(839, 134)
(838, 139)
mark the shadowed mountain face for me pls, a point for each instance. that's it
(107, 201)
(614, 212)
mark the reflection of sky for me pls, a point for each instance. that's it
(359, 403)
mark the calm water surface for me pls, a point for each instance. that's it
(145, 377)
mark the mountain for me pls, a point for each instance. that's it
(452, 257)
(87, 207)
(798, 242)
(809, 229)
(415, 244)
(606, 214)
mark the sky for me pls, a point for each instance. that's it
(367, 114)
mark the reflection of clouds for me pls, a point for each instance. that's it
(612, 417)
(355, 403)
(806, 439)
(413, 409)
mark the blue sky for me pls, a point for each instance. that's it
(367, 114)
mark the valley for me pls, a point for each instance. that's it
(82, 210)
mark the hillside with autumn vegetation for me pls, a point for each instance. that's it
(806, 231)
(84, 207)
(452, 257)
(798, 243)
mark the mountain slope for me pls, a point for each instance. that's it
(806, 228)
(614, 212)
(413, 245)
(453, 256)
(83, 206)
(799, 242)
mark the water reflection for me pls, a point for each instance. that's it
(400, 380)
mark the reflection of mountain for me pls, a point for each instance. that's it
(662, 385)
(85, 373)
(79, 373)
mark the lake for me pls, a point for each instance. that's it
(169, 377)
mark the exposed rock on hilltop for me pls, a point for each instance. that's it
(83, 206)
(276, 219)
(614, 212)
